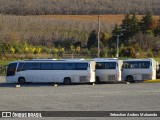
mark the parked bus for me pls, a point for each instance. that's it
(108, 69)
(58, 71)
(139, 69)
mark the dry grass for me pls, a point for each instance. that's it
(108, 18)
(45, 29)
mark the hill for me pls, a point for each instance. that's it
(46, 7)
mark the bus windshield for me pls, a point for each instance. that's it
(11, 69)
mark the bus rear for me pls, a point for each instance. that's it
(119, 70)
(92, 71)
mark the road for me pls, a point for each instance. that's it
(103, 97)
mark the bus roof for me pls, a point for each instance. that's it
(48, 60)
(75, 59)
(44, 59)
(145, 59)
(106, 59)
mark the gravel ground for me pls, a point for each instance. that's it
(103, 97)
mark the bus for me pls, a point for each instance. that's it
(139, 69)
(108, 69)
(56, 71)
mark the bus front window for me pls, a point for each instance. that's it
(11, 69)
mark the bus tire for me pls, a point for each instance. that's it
(67, 81)
(130, 79)
(97, 80)
(21, 80)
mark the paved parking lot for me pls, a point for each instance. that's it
(103, 97)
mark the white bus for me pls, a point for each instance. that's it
(57, 71)
(139, 69)
(108, 69)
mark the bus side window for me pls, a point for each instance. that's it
(110, 65)
(34, 66)
(46, 66)
(82, 66)
(144, 64)
(100, 65)
(69, 66)
(58, 66)
(20, 67)
(126, 65)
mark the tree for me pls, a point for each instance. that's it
(128, 52)
(37, 50)
(72, 50)
(130, 26)
(134, 25)
(11, 50)
(54, 51)
(126, 25)
(61, 52)
(104, 52)
(116, 30)
(85, 52)
(34, 7)
(157, 30)
(145, 41)
(78, 49)
(146, 22)
(94, 52)
(104, 38)
(92, 40)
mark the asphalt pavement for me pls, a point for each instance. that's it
(81, 97)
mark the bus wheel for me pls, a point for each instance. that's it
(21, 80)
(97, 80)
(67, 81)
(130, 79)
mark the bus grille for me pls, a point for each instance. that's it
(83, 79)
(145, 76)
(111, 77)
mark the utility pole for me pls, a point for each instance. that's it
(98, 36)
(117, 55)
